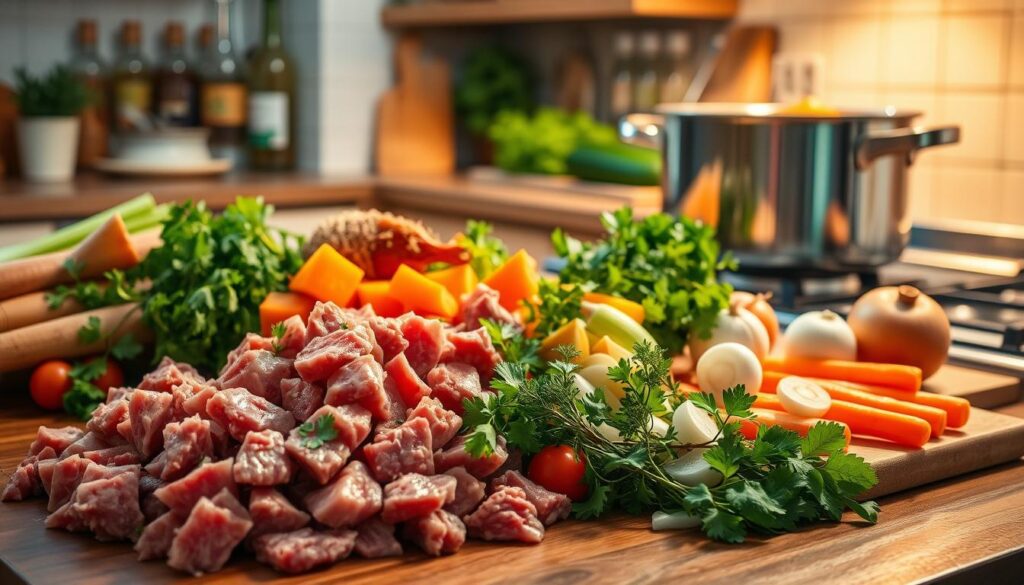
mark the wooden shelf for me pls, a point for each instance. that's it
(434, 13)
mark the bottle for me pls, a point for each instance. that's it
(678, 68)
(222, 104)
(645, 90)
(95, 122)
(271, 98)
(622, 76)
(132, 86)
(176, 84)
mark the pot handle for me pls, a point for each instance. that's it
(642, 130)
(903, 140)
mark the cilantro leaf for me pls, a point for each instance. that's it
(850, 472)
(866, 510)
(126, 347)
(523, 434)
(73, 267)
(316, 433)
(724, 526)
(699, 499)
(83, 398)
(482, 441)
(822, 439)
(704, 401)
(737, 402)
(595, 505)
(749, 499)
(90, 332)
(56, 298)
(725, 457)
(89, 370)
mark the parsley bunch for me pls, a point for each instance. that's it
(667, 264)
(771, 484)
(486, 252)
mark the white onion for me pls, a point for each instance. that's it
(691, 469)
(677, 521)
(803, 397)
(693, 425)
(726, 365)
(820, 335)
(737, 325)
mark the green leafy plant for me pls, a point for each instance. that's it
(542, 142)
(668, 264)
(317, 432)
(57, 93)
(486, 252)
(493, 80)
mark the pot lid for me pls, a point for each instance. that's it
(783, 111)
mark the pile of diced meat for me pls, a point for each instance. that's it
(340, 435)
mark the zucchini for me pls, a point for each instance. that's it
(616, 163)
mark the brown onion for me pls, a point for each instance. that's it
(759, 306)
(900, 325)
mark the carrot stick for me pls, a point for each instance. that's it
(958, 410)
(32, 308)
(899, 377)
(935, 417)
(867, 421)
(771, 417)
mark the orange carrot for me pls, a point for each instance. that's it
(899, 377)
(867, 421)
(958, 410)
(798, 424)
(935, 417)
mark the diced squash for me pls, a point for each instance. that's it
(422, 295)
(376, 293)
(328, 276)
(459, 280)
(108, 247)
(634, 310)
(278, 306)
(607, 346)
(515, 280)
(572, 333)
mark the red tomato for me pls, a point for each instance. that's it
(48, 384)
(560, 469)
(112, 377)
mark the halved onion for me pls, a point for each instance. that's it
(803, 397)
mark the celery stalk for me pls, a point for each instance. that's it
(68, 236)
(146, 220)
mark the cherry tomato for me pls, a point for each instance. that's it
(48, 384)
(112, 377)
(560, 469)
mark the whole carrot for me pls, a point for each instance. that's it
(958, 410)
(867, 421)
(775, 417)
(896, 376)
(935, 417)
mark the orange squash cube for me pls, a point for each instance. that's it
(515, 280)
(459, 280)
(328, 276)
(418, 293)
(278, 306)
(376, 293)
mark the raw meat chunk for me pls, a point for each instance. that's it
(359, 381)
(262, 460)
(444, 424)
(409, 385)
(203, 481)
(351, 425)
(322, 356)
(119, 455)
(301, 398)
(94, 472)
(259, 371)
(353, 497)
(186, 443)
(106, 417)
(120, 393)
(473, 348)
(149, 412)
(250, 342)
(456, 455)
(483, 303)
(437, 533)
(414, 495)
(469, 492)
(23, 483)
(90, 441)
(303, 550)
(152, 507)
(169, 374)
(377, 539)
(44, 469)
(109, 507)
(56, 438)
(225, 499)
(551, 506)
(293, 339)
(205, 541)
(272, 512)
(454, 382)
(327, 318)
(405, 449)
(425, 338)
(506, 515)
(388, 335)
(156, 537)
(191, 398)
(67, 474)
(239, 411)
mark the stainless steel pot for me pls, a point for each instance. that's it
(790, 190)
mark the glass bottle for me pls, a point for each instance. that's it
(95, 121)
(271, 98)
(132, 85)
(645, 90)
(176, 85)
(679, 67)
(622, 76)
(222, 103)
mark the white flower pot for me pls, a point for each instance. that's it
(48, 146)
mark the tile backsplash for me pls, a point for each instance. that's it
(958, 61)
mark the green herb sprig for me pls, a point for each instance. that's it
(318, 432)
(486, 252)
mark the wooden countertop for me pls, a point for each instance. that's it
(969, 530)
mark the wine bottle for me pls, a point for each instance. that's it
(271, 98)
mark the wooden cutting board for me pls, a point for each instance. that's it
(982, 389)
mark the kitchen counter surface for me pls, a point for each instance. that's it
(966, 530)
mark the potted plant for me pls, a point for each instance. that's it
(48, 108)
